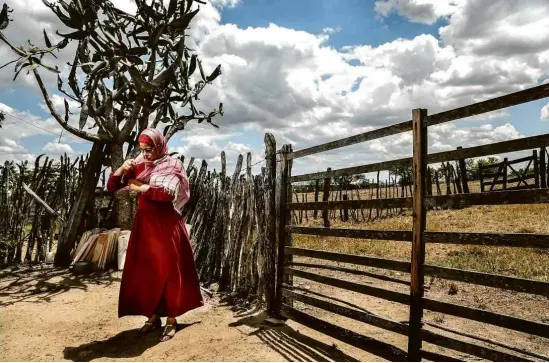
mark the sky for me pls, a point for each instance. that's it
(313, 71)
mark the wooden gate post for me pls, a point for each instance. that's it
(284, 238)
(270, 248)
(326, 198)
(463, 174)
(536, 168)
(542, 168)
(418, 228)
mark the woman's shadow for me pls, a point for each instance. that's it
(127, 344)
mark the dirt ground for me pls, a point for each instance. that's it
(52, 315)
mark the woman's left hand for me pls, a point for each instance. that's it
(138, 187)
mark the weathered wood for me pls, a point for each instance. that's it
(488, 317)
(418, 229)
(41, 201)
(353, 233)
(345, 210)
(463, 173)
(325, 198)
(543, 167)
(317, 190)
(526, 143)
(399, 328)
(285, 218)
(353, 204)
(355, 314)
(536, 168)
(470, 348)
(512, 99)
(484, 279)
(376, 347)
(532, 196)
(489, 239)
(352, 271)
(377, 262)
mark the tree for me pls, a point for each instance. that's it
(2, 118)
(474, 166)
(127, 74)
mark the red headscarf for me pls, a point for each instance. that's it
(165, 171)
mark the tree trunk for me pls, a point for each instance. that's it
(122, 206)
(90, 178)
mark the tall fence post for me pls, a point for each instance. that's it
(285, 218)
(418, 229)
(317, 187)
(536, 168)
(505, 171)
(325, 198)
(270, 221)
(543, 167)
(463, 172)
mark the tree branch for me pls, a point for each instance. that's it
(80, 133)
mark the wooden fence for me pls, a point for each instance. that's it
(420, 201)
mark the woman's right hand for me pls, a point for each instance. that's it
(126, 166)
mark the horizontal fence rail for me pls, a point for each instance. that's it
(533, 240)
(499, 197)
(502, 147)
(513, 99)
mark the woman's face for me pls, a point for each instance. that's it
(149, 153)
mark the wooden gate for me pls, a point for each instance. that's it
(506, 175)
(287, 293)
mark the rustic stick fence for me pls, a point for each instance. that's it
(420, 200)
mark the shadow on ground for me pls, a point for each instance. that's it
(291, 344)
(127, 344)
(41, 283)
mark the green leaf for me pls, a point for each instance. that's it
(183, 22)
(139, 51)
(77, 35)
(172, 112)
(201, 70)
(59, 83)
(192, 67)
(172, 7)
(47, 40)
(66, 110)
(221, 109)
(19, 71)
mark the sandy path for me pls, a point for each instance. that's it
(52, 315)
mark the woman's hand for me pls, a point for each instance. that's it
(126, 166)
(139, 187)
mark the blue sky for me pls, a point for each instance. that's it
(379, 60)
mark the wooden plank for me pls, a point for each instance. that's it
(525, 143)
(513, 99)
(398, 297)
(325, 198)
(508, 181)
(508, 100)
(463, 173)
(521, 160)
(351, 313)
(376, 234)
(484, 279)
(543, 167)
(399, 328)
(374, 346)
(527, 196)
(490, 239)
(488, 317)
(533, 240)
(377, 262)
(354, 204)
(470, 348)
(352, 271)
(437, 357)
(285, 219)
(418, 228)
(269, 255)
(536, 168)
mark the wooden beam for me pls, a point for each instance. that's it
(418, 229)
(377, 262)
(525, 143)
(42, 202)
(374, 346)
(509, 100)
(376, 234)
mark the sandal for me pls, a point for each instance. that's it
(149, 326)
(167, 333)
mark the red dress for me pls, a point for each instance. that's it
(159, 274)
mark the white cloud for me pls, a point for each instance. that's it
(418, 11)
(545, 112)
(58, 149)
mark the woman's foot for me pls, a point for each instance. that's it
(153, 324)
(169, 330)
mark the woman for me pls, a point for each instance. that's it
(159, 277)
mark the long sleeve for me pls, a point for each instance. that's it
(158, 194)
(115, 181)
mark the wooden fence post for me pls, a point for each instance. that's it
(317, 187)
(418, 229)
(325, 198)
(505, 164)
(345, 210)
(463, 172)
(543, 167)
(536, 167)
(270, 221)
(284, 238)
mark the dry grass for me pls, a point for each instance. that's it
(511, 261)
